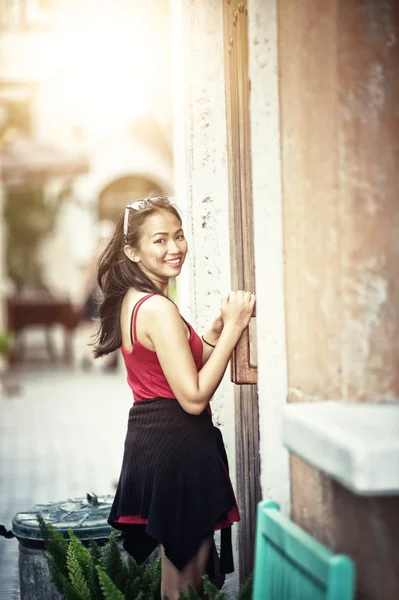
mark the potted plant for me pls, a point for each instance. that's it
(30, 216)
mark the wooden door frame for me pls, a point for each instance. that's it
(243, 265)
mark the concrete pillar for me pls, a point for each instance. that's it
(268, 246)
(201, 185)
(339, 91)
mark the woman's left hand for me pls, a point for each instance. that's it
(217, 325)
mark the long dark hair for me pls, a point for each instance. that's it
(116, 274)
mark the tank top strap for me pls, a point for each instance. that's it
(133, 335)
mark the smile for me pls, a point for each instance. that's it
(176, 262)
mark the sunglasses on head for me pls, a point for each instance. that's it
(140, 205)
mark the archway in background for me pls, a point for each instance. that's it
(116, 195)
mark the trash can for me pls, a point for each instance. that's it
(87, 517)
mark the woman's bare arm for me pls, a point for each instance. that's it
(167, 332)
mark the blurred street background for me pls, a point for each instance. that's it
(85, 128)
(61, 437)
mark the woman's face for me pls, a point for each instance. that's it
(162, 248)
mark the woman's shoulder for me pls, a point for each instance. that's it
(157, 304)
(153, 303)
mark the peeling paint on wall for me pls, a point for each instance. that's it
(367, 294)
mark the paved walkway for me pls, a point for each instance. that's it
(62, 437)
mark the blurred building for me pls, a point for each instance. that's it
(95, 80)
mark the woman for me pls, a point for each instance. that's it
(174, 487)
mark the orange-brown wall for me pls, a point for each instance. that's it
(339, 101)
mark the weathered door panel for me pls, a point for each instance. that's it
(244, 360)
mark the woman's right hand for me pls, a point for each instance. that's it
(237, 309)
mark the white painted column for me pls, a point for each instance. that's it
(267, 202)
(201, 184)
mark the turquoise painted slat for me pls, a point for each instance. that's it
(291, 565)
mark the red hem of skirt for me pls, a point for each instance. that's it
(232, 517)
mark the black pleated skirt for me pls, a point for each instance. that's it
(174, 476)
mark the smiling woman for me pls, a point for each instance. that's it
(162, 242)
(174, 488)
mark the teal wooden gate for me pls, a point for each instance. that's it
(291, 565)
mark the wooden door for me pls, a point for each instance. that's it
(243, 364)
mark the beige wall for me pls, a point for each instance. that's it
(339, 90)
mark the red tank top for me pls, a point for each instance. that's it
(146, 378)
(144, 373)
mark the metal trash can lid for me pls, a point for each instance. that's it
(87, 517)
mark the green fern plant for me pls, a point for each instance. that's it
(245, 592)
(76, 574)
(57, 549)
(109, 589)
(108, 573)
(211, 592)
(190, 594)
(95, 553)
(97, 573)
(111, 559)
(83, 557)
